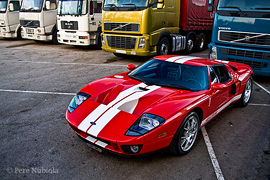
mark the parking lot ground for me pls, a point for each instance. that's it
(37, 82)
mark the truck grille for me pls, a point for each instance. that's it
(71, 25)
(245, 38)
(253, 64)
(130, 27)
(29, 23)
(243, 53)
(121, 42)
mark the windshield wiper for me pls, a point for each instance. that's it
(260, 8)
(235, 7)
(135, 7)
(177, 86)
(112, 7)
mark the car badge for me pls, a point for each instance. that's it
(93, 123)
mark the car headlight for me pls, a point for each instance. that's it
(77, 100)
(213, 52)
(147, 122)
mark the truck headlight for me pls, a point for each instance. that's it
(103, 40)
(213, 52)
(141, 43)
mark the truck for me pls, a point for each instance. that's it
(241, 33)
(38, 20)
(155, 27)
(9, 19)
(79, 22)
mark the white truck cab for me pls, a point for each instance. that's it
(9, 19)
(79, 22)
(38, 20)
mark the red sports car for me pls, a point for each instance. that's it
(162, 103)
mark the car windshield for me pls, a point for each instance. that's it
(244, 5)
(125, 3)
(3, 6)
(172, 75)
(72, 7)
(31, 5)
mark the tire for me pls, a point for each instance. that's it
(189, 45)
(19, 35)
(201, 42)
(246, 95)
(54, 37)
(186, 135)
(163, 47)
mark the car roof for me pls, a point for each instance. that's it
(191, 60)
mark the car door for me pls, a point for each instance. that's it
(219, 98)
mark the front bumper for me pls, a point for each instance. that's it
(127, 44)
(77, 38)
(35, 34)
(5, 33)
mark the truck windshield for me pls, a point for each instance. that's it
(119, 4)
(244, 5)
(72, 7)
(31, 5)
(3, 6)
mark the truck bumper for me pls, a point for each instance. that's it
(78, 38)
(35, 34)
(5, 33)
(127, 44)
(258, 60)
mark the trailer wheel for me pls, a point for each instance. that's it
(201, 42)
(163, 47)
(190, 44)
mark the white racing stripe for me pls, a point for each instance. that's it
(103, 114)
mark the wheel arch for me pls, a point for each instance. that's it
(166, 34)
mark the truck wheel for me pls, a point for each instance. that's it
(54, 37)
(190, 45)
(19, 35)
(163, 46)
(201, 42)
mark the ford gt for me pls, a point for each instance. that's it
(160, 104)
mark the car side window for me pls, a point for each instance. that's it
(213, 75)
(222, 73)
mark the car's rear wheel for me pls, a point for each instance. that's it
(186, 135)
(246, 95)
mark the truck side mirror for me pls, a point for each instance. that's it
(11, 7)
(210, 9)
(48, 5)
(211, 2)
(94, 4)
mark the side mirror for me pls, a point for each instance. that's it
(48, 5)
(11, 7)
(131, 67)
(211, 2)
(210, 9)
(218, 86)
(160, 4)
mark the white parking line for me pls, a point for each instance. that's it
(252, 104)
(212, 154)
(38, 92)
(85, 64)
(262, 87)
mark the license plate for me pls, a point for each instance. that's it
(30, 31)
(95, 148)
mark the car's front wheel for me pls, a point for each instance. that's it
(186, 135)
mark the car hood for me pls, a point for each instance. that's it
(115, 104)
